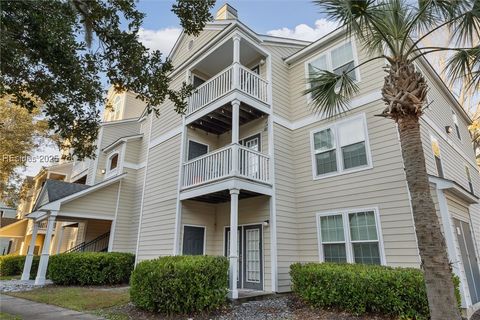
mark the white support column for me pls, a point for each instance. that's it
(235, 135)
(233, 293)
(59, 234)
(42, 266)
(28, 260)
(236, 60)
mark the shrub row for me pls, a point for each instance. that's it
(180, 284)
(358, 288)
(91, 268)
(12, 265)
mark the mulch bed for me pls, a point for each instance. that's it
(273, 307)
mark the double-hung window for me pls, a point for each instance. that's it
(350, 236)
(341, 147)
(337, 60)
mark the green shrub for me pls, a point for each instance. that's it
(12, 265)
(359, 288)
(90, 268)
(180, 284)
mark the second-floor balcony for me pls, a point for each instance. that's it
(231, 161)
(234, 77)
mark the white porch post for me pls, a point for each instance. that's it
(233, 293)
(235, 135)
(60, 237)
(42, 266)
(28, 260)
(236, 60)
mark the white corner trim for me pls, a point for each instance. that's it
(306, 121)
(164, 137)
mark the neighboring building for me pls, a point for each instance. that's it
(7, 216)
(250, 165)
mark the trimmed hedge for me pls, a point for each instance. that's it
(12, 265)
(91, 268)
(180, 284)
(359, 288)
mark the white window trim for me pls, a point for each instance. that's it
(204, 236)
(340, 170)
(111, 113)
(196, 141)
(346, 229)
(119, 169)
(432, 137)
(329, 63)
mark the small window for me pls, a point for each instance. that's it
(436, 155)
(455, 123)
(113, 163)
(117, 107)
(196, 149)
(469, 179)
(193, 240)
(341, 147)
(350, 237)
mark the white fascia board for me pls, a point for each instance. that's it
(122, 140)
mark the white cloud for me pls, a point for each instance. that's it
(305, 32)
(162, 39)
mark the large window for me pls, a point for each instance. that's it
(436, 155)
(350, 236)
(341, 147)
(336, 60)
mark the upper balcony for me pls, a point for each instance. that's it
(235, 69)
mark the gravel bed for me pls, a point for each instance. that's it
(19, 285)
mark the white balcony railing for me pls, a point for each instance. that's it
(220, 164)
(247, 81)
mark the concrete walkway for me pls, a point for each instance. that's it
(29, 310)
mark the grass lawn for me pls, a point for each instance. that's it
(7, 316)
(86, 299)
(9, 278)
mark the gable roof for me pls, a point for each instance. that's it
(57, 189)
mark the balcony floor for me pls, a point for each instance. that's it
(220, 120)
(224, 196)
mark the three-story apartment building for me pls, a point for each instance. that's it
(250, 172)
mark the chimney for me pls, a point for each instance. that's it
(226, 12)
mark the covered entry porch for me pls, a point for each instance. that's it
(241, 230)
(91, 210)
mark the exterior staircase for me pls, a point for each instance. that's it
(99, 244)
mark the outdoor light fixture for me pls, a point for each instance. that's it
(449, 129)
(262, 62)
(103, 171)
(266, 223)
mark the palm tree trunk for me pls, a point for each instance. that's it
(431, 242)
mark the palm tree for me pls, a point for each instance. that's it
(392, 30)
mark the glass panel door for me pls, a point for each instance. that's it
(252, 162)
(253, 264)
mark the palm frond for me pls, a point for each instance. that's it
(466, 31)
(331, 92)
(465, 65)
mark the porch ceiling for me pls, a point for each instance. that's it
(220, 120)
(224, 196)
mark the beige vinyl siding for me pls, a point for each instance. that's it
(258, 126)
(125, 229)
(132, 151)
(202, 214)
(133, 107)
(286, 210)
(182, 53)
(371, 79)
(96, 228)
(381, 187)
(159, 207)
(168, 118)
(280, 80)
(110, 132)
(102, 201)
